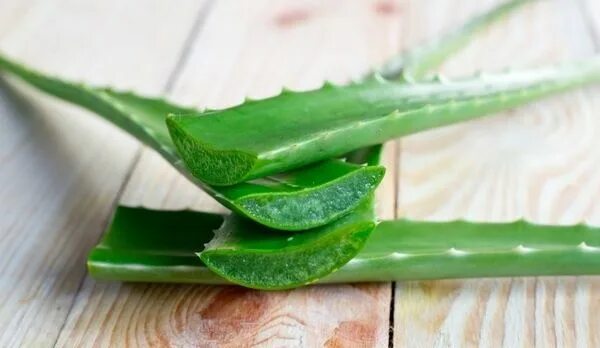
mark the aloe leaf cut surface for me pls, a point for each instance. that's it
(249, 254)
(161, 246)
(298, 200)
(304, 127)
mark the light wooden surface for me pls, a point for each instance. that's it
(63, 171)
(538, 162)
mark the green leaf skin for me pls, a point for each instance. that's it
(160, 246)
(298, 128)
(416, 62)
(326, 190)
(414, 250)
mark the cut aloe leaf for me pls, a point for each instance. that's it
(240, 251)
(161, 246)
(328, 189)
(249, 254)
(298, 128)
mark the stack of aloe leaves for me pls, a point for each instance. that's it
(299, 170)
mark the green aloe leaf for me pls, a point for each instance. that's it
(302, 199)
(236, 248)
(297, 200)
(300, 128)
(160, 246)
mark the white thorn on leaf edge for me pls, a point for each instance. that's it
(587, 248)
(521, 249)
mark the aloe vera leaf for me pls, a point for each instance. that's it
(415, 63)
(241, 251)
(160, 246)
(302, 199)
(297, 128)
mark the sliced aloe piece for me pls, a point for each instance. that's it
(249, 254)
(160, 246)
(328, 189)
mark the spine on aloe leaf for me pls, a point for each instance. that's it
(414, 250)
(294, 129)
(161, 246)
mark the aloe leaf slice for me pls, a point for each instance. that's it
(249, 254)
(326, 190)
(160, 246)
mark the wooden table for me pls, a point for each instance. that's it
(63, 171)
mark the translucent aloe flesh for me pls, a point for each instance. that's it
(297, 200)
(298, 128)
(248, 254)
(302, 199)
(142, 245)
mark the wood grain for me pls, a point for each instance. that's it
(268, 45)
(56, 194)
(62, 168)
(537, 162)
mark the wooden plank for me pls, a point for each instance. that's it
(539, 162)
(591, 13)
(12, 12)
(250, 48)
(61, 168)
